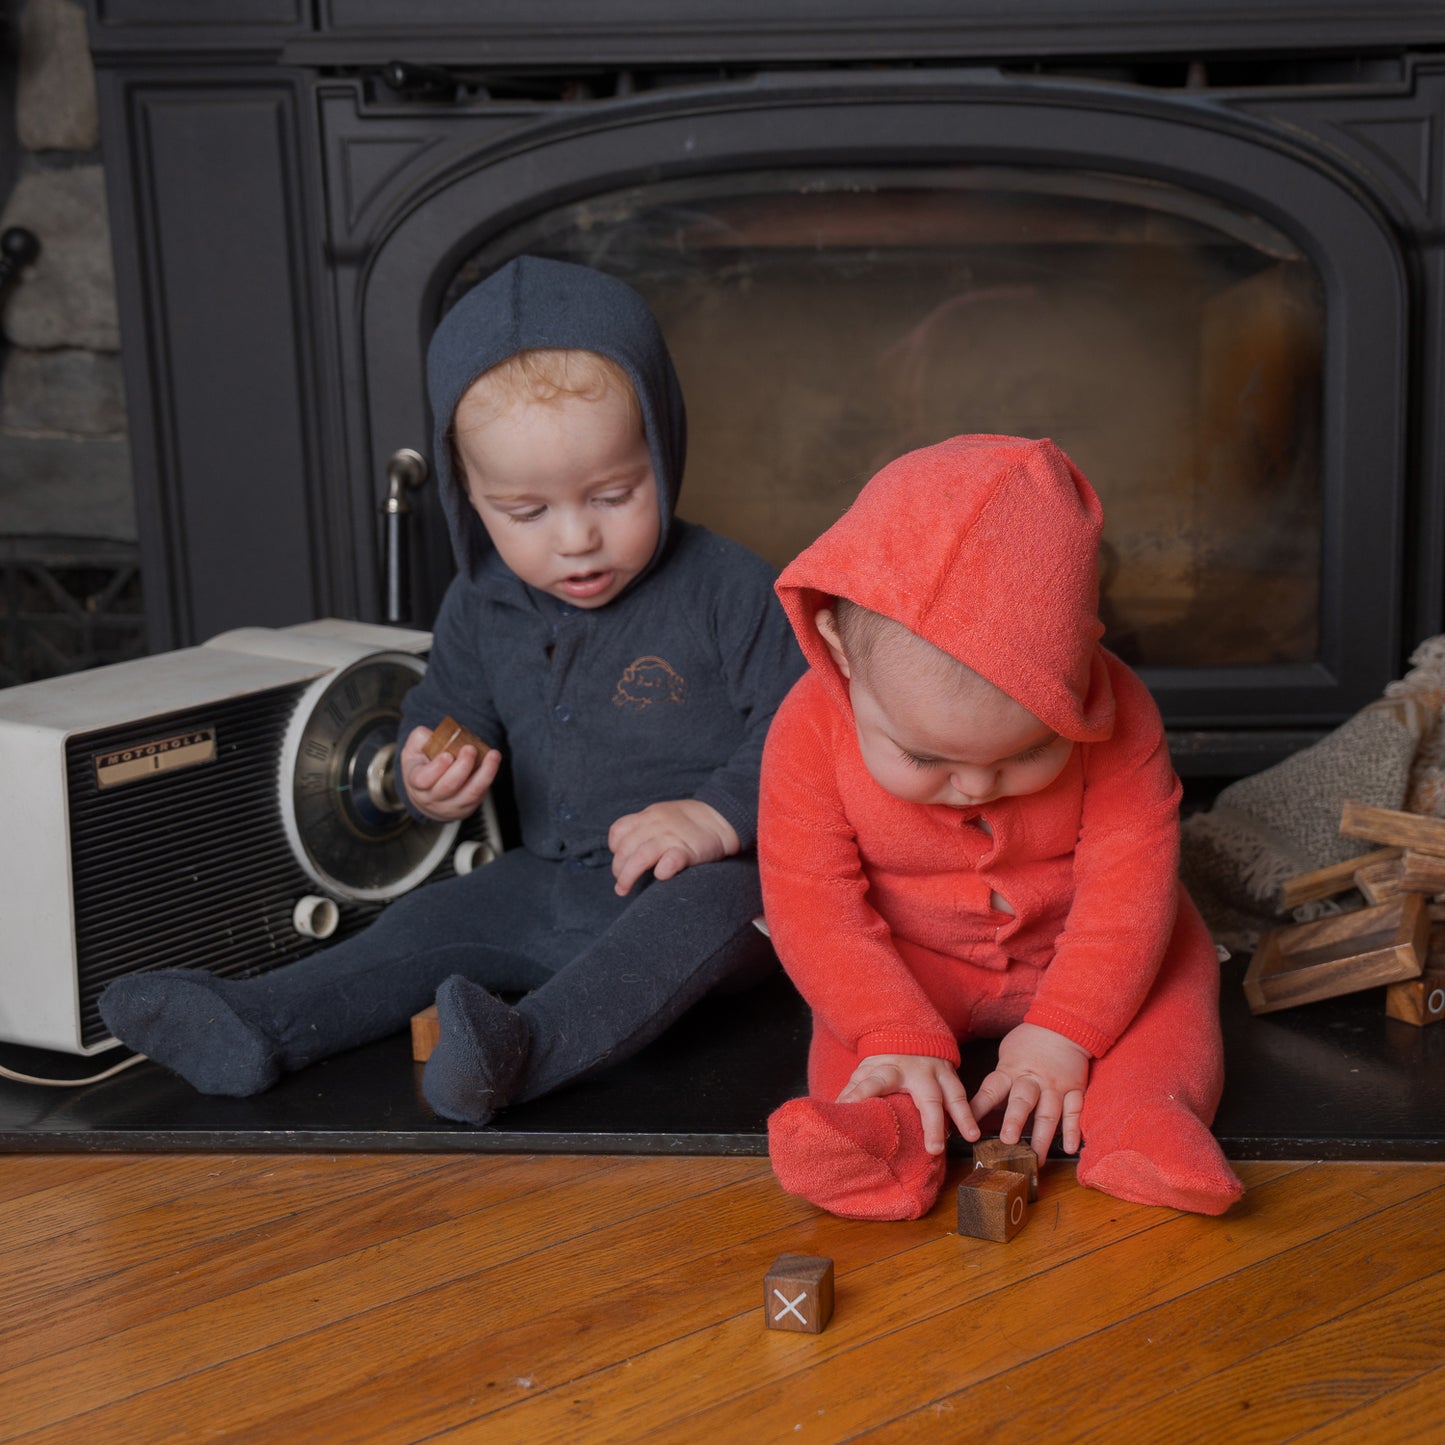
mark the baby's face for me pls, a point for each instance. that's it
(924, 744)
(926, 739)
(565, 489)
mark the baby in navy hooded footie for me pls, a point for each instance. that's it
(610, 684)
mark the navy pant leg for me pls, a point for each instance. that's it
(491, 925)
(669, 946)
(606, 974)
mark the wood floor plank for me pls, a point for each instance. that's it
(163, 1236)
(910, 1313)
(1308, 1380)
(140, 1182)
(1408, 1414)
(26, 1174)
(1156, 1352)
(181, 1344)
(71, 1300)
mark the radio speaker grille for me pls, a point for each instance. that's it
(191, 868)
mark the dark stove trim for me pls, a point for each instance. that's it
(532, 33)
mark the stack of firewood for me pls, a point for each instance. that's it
(1396, 937)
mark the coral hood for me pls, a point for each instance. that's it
(987, 547)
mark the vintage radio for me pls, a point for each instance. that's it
(226, 807)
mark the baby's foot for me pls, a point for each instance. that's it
(479, 1056)
(863, 1161)
(182, 1019)
(1166, 1156)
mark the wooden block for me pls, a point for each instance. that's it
(1019, 1158)
(1342, 954)
(1390, 825)
(1326, 882)
(426, 1031)
(1435, 949)
(1422, 872)
(1418, 1000)
(798, 1293)
(1379, 882)
(993, 1204)
(449, 736)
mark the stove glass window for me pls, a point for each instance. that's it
(825, 322)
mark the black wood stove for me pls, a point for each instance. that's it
(1199, 245)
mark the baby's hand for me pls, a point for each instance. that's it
(1041, 1073)
(932, 1084)
(668, 837)
(446, 788)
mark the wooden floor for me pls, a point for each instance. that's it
(480, 1297)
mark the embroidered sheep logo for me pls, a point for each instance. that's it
(646, 681)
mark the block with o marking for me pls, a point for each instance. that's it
(993, 1204)
(1020, 1158)
(798, 1293)
(1418, 1000)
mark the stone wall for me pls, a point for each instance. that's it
(64, 462)
(70, 589)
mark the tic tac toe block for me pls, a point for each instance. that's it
(426, 1030)
(798, 1293)
(1018, 1158)
(993, 1204)
(1418, 1001)
(449, 736)
(1341, 954)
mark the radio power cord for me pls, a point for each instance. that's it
(72, 1083)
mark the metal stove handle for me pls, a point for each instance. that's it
(405, 472)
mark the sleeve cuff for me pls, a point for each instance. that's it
(1095, 1042)
(742, 819)
(908, 1041)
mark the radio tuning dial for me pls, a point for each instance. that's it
(344, 815)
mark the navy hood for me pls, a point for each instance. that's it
(531, 304)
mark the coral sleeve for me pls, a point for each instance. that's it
(1126, 888)
(835, 946)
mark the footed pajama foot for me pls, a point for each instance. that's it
(182, 1019)
(479, 1056)
(1166, 1156)
(863, 1161)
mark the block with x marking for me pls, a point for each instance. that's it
(798, 1293)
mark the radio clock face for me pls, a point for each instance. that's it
(349, 828)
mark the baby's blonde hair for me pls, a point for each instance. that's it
(546, 373)
(542, 375)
